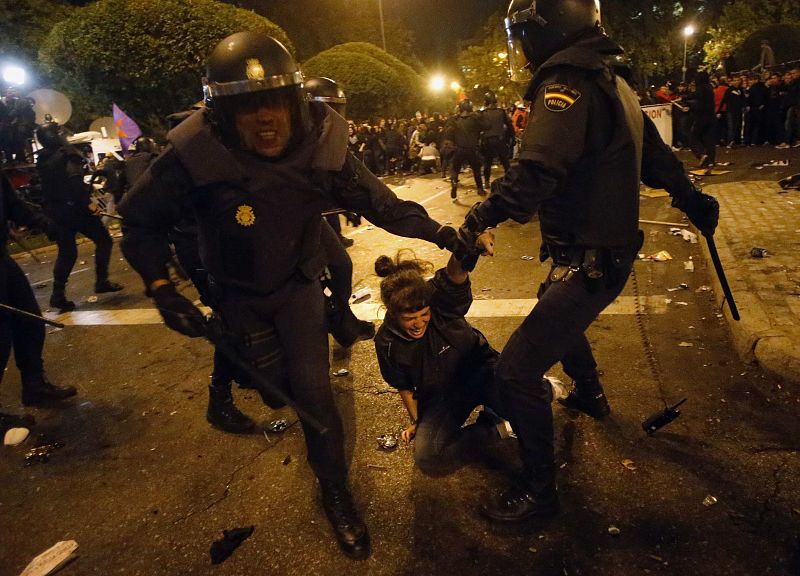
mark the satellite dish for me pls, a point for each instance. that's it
(107, 123)
(52, 102)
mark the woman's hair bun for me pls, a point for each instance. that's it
(384, 266)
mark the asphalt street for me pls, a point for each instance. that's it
(145, 485)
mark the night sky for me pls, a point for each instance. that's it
(440, 25)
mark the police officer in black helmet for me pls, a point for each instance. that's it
(465, 130)
(581, 161)
(257, 167)
(497, 132)
(327, 91)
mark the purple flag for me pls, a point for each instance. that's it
(127, 129)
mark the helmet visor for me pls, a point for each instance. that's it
(519, 69)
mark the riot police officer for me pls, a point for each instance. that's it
(466, 133)
(67, 200)
(580, 165)
(498, 131)
(257, 167)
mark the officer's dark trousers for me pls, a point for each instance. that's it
(291, 322)
(471, 157)
(704, 138)
(494, 148)
(91, 227)
(552, 332)
(26, 336)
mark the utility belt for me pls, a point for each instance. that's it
(600, 266)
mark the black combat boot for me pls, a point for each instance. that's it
(453, 190)
(9, 421)
(525, 499)
(38, 391)
(350, 531)
(588, 397)
(102, 286)
(223, 414)
(59, 300)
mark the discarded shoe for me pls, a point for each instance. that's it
(595, 406)
(350, 531)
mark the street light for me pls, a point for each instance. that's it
(383, 30)
(437, 83)
(688, 31)
(14, 75)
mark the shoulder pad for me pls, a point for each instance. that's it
(205, 158)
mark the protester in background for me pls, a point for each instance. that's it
(704, 128)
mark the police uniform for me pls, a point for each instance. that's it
(497, 130)
(259, 230)
(466, 130)
(582, 156)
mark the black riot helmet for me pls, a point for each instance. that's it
(145, 144)
(537, 29)
(490, 99)
(465, 106)
(50, 135)
(248, 72)
(325, 90)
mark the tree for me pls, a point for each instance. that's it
(376, 83)
(742, 19)
(24, 24)
(148, 56)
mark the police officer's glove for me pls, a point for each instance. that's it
(448, 239)
(472, 227)
(178, 312)
(703, 212)
(353, 219)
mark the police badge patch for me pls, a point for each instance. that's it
(245, 215)
(558, 97)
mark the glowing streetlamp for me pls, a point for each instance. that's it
(455, 86)
(688, 31)
(14, 75)
(437, 83)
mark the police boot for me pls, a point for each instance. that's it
(223, 414)
(102, 286)
(588, 397)
(525, 499)
(9, 421)
(37, 391)
(58, 299)
(350, 531)
(453, 189)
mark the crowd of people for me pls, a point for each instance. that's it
(750, 108)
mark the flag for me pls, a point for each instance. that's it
(127, 129)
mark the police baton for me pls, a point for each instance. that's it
(726, 289)
(109, 215)
(214, 334)
(28, 315)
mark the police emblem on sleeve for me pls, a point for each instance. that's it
(558, 97)
(245, 215)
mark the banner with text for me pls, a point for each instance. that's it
(661, 115)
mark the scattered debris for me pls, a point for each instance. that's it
(51, 559)
(629, 464)
(653, 192)
(278, 426)
(709, 172)
(341, 372)
(758, 252)
(42, 452)
(528, 258)
(387, 442)
(614, 531)
(377, 467)
(360, 295)
(221, 549)
(704, 288)
(688, 236)
(287, 460)
(686, 345)
(709, 500)
(681, 303)
(681, 286)
(688, 266)
(661, 256)
(54, 330)
(661, 419)
(92, 299)
(15, 436)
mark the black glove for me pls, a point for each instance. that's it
(178, 312)
(353, 219)
(703, 212)
(472, 227)
(447, 238)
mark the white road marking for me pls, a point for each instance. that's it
(501, 308)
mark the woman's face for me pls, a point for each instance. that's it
(415, 323)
